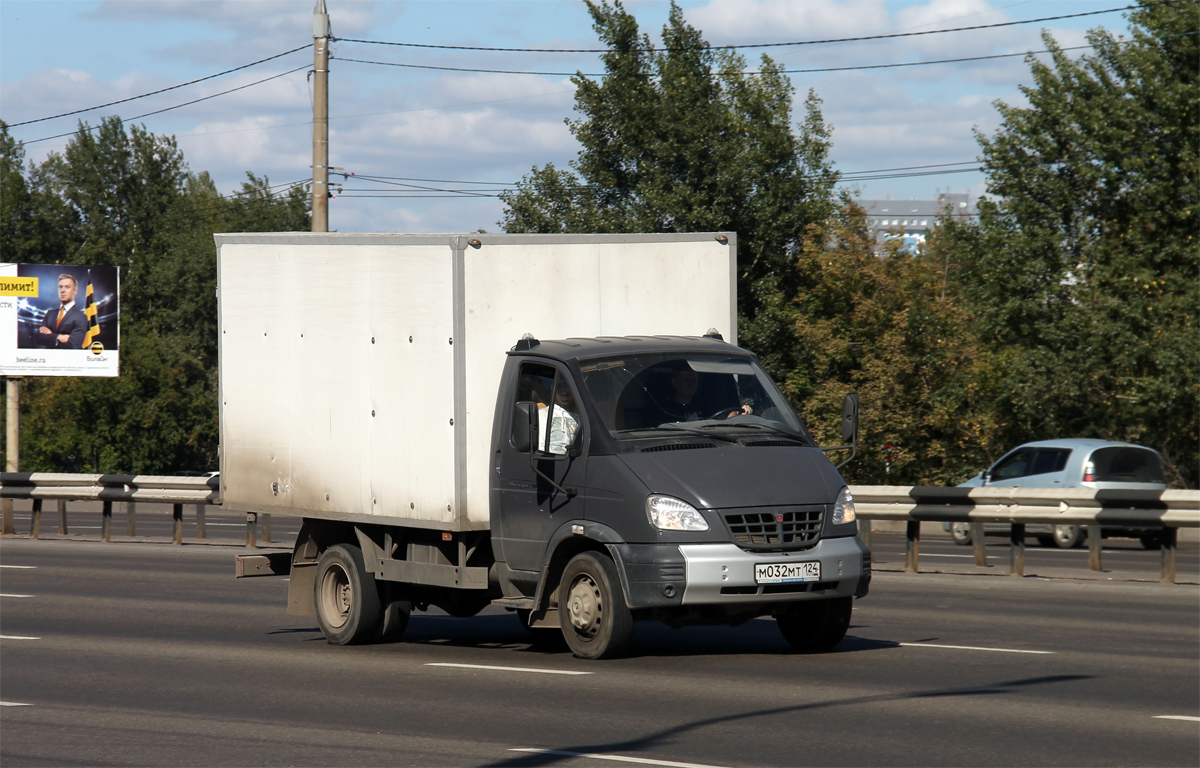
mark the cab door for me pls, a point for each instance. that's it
(536, 498)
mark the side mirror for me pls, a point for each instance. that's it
(524, 426)
(850, 418)
(986, 476)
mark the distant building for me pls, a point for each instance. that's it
(912, 220)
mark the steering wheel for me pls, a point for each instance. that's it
(726, 413)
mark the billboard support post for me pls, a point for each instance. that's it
(12, 432)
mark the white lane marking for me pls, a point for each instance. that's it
(18, 637)
(617, 758)
(27, 567)
(972, 648)
(934, 554)
(13, 704)
(509, 669)
(2, 594)
(1188, 718)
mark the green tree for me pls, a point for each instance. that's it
(1083, 269)
(127, 198)
(681, 139)
(885, 326)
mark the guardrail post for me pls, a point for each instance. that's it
(912, 546)
(266, 529)
(1169, 537)
(865, 533)
(977, 542)
(35, 521)
(201, 528)
(62, 518)
(1016, 553)
(251, 522)
(8, 526)
(131, 519)
(177, 524)
(106, 522)
(1094, 539)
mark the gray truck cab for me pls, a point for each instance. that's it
(664, 478)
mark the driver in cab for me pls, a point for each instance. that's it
(684, 405)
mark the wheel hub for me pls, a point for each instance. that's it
(583, 606)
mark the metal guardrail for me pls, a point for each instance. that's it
(1162, 511)
(129, 490)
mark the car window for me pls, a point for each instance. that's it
(1050, 460)
(1124, 465)
(1014, 465)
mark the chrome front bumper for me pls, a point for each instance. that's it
(724, 573)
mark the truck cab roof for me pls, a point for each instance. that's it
(581, 348)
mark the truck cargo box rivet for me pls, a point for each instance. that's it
(452, 340)
(452, 422)
(372, 339)
(410, 339)
(327, 497)
(412, 505)
(372, 413)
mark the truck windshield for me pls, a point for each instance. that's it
(635, 394)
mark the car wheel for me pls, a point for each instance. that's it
(961, 533)
(1068, 536)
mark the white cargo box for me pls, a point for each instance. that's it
(359, 372)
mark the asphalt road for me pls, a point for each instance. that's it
(149, 654)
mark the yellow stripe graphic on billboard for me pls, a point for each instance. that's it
(19, 286)
(90, 310)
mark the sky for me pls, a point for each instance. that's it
(458, 137)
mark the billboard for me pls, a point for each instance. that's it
(59, 320)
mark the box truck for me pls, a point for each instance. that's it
(562, 425)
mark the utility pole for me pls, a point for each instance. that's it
(12, 432)
(320, 183)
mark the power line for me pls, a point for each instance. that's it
(177, 106)
(782, 71)
(748, 45)
(161, 90)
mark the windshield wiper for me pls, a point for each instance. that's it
(769, 428)
(678, 425)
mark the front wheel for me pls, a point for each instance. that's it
(1068, 536)
(818, 625)
(595, 620)
(348, 607)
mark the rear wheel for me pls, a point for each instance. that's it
(961, 533)
(817, 625)
(1068, 536)
(347, 600)
(595, 620)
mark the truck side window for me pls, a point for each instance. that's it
(558, 410)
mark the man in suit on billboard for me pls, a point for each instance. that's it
(64, 327)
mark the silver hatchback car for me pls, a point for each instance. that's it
(1071, 463)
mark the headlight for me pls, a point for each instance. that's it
(668, 513)
(843, 508)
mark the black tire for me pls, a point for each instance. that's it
(1047, 541)
(595, 620)
(961, 533)
(347, 599)
(816, 626)
(1069, 536)
(1150, 541)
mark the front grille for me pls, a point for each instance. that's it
(775, 528)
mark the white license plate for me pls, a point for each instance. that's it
(786, 573)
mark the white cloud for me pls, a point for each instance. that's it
(742, 21)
